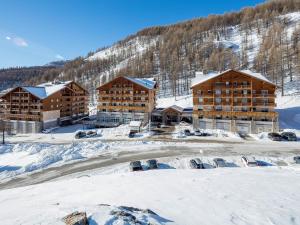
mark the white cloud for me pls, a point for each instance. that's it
(17, 41)
(58, 56)
(20, 42)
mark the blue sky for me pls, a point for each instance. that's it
(34, 32)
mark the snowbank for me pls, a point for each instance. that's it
(177, 196)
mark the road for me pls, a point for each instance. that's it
(225, 149)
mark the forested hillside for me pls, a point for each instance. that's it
(265, 39)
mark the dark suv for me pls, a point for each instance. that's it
(136, 166)
(289, 136)
(152, 164)
(274, 136)
(196, 164)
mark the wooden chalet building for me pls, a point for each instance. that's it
(238, 101)
(126, 99)
(32, 109)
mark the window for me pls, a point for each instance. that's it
(200, 107)
(227, 83)
(227, 91)
(218, 100)
(254, 92)
(244, 100)
(235, 84)
(200, 100)
(264, 92)
(245, 92)
(218, 108)
(227, 100)
(218, 91)
(209, 92)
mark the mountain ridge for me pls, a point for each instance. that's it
(264, 38)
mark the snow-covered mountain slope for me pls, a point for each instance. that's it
(236, 38)
(133, 47)
(184, 197)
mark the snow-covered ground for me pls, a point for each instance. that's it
(268, 195)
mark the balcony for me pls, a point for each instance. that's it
(264, 95)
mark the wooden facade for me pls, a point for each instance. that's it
(28, 104)
(126, 95)
(234, 95)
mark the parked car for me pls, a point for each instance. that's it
(249, 161)
(80, 134)
(136, 166)
(187, 132)
(274, 136)
(289, 136)
(131, 134)
(198, 133)
(196, 164)
(297, 159)
(201, 133)
(199, 162)
(180, 134)
(219, 162)
(91, 133)
(152, 164)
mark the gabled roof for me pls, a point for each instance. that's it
(203, 78)
(148, 83)
(175, 107)
(43, 91)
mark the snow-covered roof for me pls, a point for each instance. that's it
(135, 123)
(148, 83)
(42, 91)
(175, 107)
(185, 101)
(200, 78)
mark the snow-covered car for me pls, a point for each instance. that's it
(274, 136)
(180, 134)
(297, 159)
(249, 161)
(219, 162)
(289, 136)
(131, 135)
(136, 166)
(187, 132)
(152, 164)
(196, 164)
(80, 134)
(91, 133)
(200, 133)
